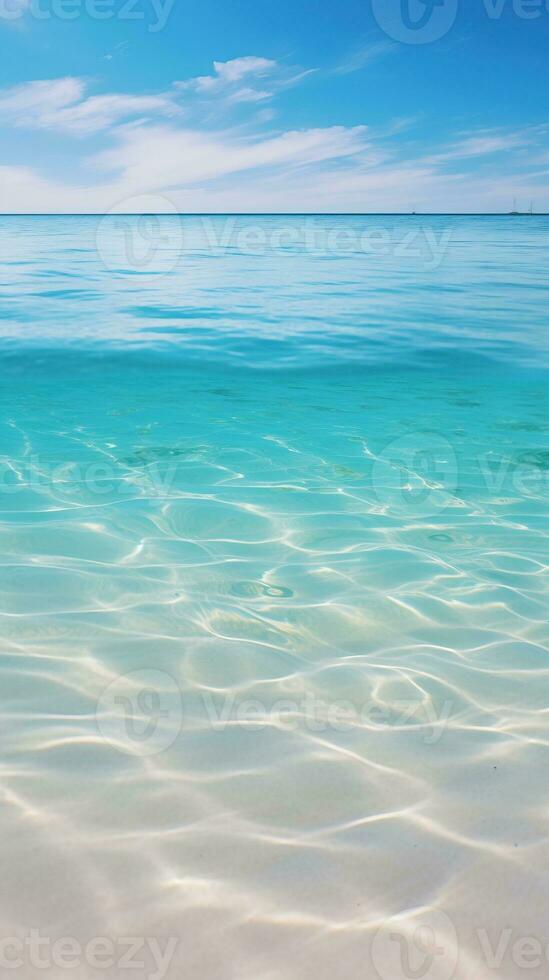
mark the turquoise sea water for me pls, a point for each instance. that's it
(273, 606)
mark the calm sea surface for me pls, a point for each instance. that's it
(273, 596)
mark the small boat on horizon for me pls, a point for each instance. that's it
(515, 212)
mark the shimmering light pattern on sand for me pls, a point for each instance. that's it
(273, 639)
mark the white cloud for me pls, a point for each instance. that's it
(330, 185)
(227, 73)
(226, 81)
(331, 168)
(149, 158)
(62, 104)
(101, 111)
(23, 190)
(484, 144)
(59, 104)
(33, 99)
(475, 146)
(351, 184)
(247, 94)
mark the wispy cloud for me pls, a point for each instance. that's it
(247, 79)
(186, 145)
(60, 104)
(33, 99)
(226, 73)
(486, 143)
(150, 158)
(120, 49)
(364, 55)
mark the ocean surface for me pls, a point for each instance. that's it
(273, 601)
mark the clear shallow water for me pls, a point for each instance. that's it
(273, 612)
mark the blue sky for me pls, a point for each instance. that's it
(377, 105)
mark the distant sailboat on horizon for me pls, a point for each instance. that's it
(515, 212)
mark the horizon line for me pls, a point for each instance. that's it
(275, 214)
